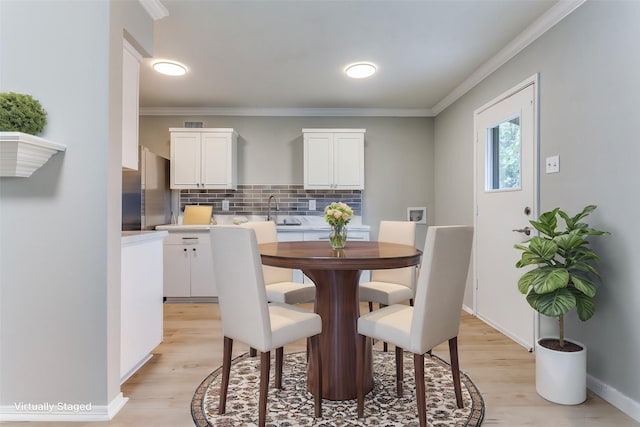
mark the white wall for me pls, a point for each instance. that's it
(60, 228)
(398, 156)
(589, 88)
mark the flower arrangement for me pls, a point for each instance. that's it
(338, 214)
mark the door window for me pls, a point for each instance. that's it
(503, 156)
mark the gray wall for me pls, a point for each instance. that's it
(60, 228)
(589, 67)
(399, 167)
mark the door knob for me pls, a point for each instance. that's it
(525, 230)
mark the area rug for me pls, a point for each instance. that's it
(293, 405)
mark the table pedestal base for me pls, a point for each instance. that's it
(338, 305)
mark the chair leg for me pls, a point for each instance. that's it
(418, 365)
(314, 344)
(399, 371)
(361, 345)
(455, 370)
(226, 370)
(279, 357)
(370, 306)
(411, 302)
(253, 352)
(385, 346)
(265, 364)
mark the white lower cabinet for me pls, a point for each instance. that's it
(188, 267)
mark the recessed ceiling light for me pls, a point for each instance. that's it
(170, 68)
(360, 70)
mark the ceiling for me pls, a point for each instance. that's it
(274, 57)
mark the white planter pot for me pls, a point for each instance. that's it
(561, 377)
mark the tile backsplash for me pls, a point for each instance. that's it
(253, 199)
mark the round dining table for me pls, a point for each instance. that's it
(336, 274)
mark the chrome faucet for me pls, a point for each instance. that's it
(271, 197)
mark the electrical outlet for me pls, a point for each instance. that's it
(225, 205)
(312, 205)
(553, 164)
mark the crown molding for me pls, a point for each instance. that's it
(287, 112)
(154, 8)
(544, 23)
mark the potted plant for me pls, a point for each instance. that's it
(21, 119)
(21, 113)
(564, 278)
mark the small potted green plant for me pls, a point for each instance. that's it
(21, 119)
(564, 278)
(21, 113)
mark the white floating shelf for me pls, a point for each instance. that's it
(22, 154)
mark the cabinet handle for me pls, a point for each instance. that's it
(190, 238)
(185, 249)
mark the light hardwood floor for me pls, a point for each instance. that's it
(160, 392)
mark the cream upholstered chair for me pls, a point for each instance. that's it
(279, 281)
(248, 317)
(391, 286)
(435, 317)
(396, 285)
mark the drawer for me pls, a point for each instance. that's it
(186, 238)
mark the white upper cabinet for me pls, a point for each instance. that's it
(130, 105)
(333, 159)
(203, 158)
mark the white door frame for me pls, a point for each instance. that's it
(533, 80)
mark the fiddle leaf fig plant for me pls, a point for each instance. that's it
(21, 113)
(565, 275)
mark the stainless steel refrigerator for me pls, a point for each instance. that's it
(146, 197)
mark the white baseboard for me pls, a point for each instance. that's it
(467, 309)
(614, 397)
(605, 391)
(61, 411)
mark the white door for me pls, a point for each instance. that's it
(506, 199)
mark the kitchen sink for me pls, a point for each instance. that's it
(290, 221)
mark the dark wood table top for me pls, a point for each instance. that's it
(355, 256)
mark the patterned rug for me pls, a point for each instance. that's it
(293, 406)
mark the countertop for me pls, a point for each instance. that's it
(139, 236)
(181, 227)
(307, 223)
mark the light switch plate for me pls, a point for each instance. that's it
(225, 205)
(312, 205)
(553, 164)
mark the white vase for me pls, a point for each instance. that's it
(561, 377)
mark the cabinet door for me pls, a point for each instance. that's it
(318, 161)
(202, 280)
(177, 266)
(215, 165)
(130, 108)
(348, 153)
(185, 160)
